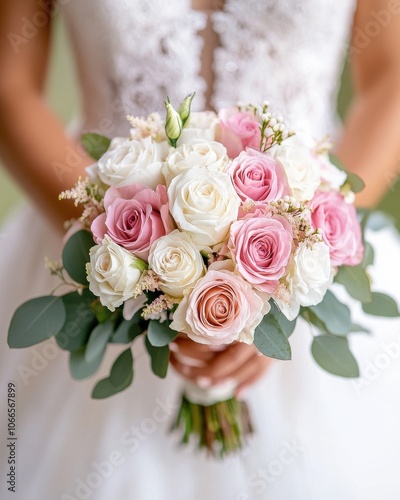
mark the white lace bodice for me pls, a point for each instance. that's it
(132, 53)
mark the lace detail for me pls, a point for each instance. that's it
(287, 51)
(132, 53)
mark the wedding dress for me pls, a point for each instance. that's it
(318, 437)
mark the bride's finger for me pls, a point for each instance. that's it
(249, 373)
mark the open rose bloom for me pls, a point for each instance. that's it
(220, 227)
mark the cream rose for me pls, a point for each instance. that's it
(112, 273)
(301, 167)
(201, 125)
(131, 161)
(177, 262)
(204, 204)
(309, 278)
(195, 153)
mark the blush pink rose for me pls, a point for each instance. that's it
(239, 130)
(261, 248)
(134, 217)
(221, 308)
(340, 228)
(258, 177)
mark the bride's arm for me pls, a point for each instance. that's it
(33, 143)
(370, 145)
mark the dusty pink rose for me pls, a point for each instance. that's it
(239, 130)
(134, 217)
(221, 308)
(341, 230)
(261, 248)
(258, 177)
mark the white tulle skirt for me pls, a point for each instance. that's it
(317, 436)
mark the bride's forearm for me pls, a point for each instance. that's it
(370, 145)
(38, 153)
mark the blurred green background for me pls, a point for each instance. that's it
(63, 96)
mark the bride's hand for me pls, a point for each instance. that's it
(206, 366)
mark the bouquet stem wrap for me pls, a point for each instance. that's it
(215, 417)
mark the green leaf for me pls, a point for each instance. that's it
(104, 388)
(335, 315)
(355, 327)
(160, 334)
(355, 182)
(159, 358)
(312, 318)
(356, 282)
(98, 341)
(127, 331)
(333, 354)
(75, 255)
(36, 320)
(369, 255)
(101, 312)
(95, 144)
(122, 369)
(381, 305)
(271, 340)
(79, 321)
(285, 325)
(79, 366)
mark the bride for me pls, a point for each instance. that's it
(317, 436)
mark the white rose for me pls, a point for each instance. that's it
(309, 278)
(131, 161)
(202, 125)
(331, 176)
(204, 204)
(177, 262)
(195, 153)
(112, 273)
(301, 168)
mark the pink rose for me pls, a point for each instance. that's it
(239, 130)
(261, 248)
(134, 217)
(340, 228)
(258, 177)
(221, 308)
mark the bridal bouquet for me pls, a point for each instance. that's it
(222, 228)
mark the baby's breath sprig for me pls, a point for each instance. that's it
(146, 127)
(149, 282)
(159, 308)
(273, 130)
(88, 195)
(56, 268)
(298, 214)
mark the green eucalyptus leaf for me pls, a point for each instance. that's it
(98, 341)
(335, 315)
(80, 368)
(381, 305)
(75, 255)
(313, 319)
(355, 327)
(95, 144)
(127, 331)
(159, 358)
(356, 282)
(355, 182)
(122, 369)
(101, 312)
(79, 321)
(36, 320)
(285, 325)
(270, 339)
(333, 354)
(369, 255)
(104, 388)
(160, 334)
